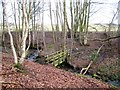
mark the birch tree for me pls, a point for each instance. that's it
(9, 32)
(25, 30)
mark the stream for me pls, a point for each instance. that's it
(33, 56)
(36, 58)
(115, 83)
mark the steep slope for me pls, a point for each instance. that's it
(43, 76)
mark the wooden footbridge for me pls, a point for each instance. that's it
(58, 57)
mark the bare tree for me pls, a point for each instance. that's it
(3, 26)
(34, 25)
(64, 26)
(72, 23)
(80, 19)
(8, 28)
(119, 28)
(51, 18)
(43, 32)
(25, 31)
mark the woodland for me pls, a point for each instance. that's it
(69, 52)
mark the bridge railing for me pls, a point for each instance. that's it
(58, 57)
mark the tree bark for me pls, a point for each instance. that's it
(53, 30)
(25, 33)
(9, 32)
(65, 32)
(43, 32)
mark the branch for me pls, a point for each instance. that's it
(103, 40)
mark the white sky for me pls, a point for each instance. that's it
(106, 12)
(104, 15)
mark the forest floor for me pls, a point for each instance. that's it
(108, 61)
(105, 68)
(43, 76)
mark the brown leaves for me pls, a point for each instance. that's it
(43, 76)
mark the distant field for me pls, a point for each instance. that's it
(105, 27)
(92, 27)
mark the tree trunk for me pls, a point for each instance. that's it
(25, 33)
(53, 30)
(3, 27)
(119, 29)
(43, 32)
(72, 26)
(9, 32)
(65, 32)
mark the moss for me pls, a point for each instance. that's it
(20, 68)
(18, 65)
